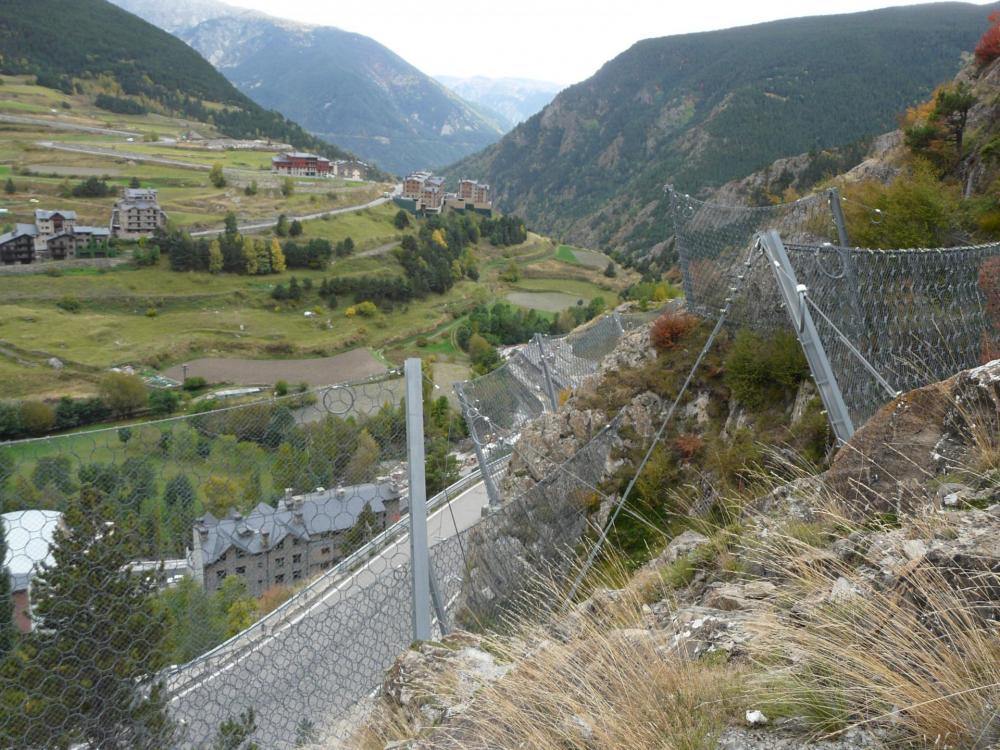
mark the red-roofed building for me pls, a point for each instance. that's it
(300, 164)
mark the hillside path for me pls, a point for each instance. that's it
(60, 125)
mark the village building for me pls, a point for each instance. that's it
(301, 537)
(350, 170)
(431, 198)
(476, 193)
(28, 535)
(137, 214)
(18, 245)
(299, 164)
(413, 184)
(424, 192)
(55, 235)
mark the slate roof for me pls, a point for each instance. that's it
(140, 194)
(306, 516)
(96, 231)
(19, 229)
(42, 215)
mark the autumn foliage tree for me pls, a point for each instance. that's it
(988, 48)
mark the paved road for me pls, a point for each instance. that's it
(259, 226)
(59, 125)
(326, 658)
(116, 153)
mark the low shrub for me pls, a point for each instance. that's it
(762, 371)
(668, 329)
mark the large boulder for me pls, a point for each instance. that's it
(946, 427)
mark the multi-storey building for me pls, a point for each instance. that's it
(302, 536)
(414, 184)
(476, 193)
(18, 245)
(431, 197)
(300, 164)
(137, 214)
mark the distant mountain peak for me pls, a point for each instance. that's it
(342, 86)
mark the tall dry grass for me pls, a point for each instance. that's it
(593, 680)
(918, 657)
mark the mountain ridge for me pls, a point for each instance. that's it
(701, 109)
(65, 43)
(342, 86)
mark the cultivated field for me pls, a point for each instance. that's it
(356, 364)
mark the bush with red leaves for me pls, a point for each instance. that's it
(687, 446)
(988, 48)
(670, 328)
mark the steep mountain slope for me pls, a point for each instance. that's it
(345, 88)
(701, 109)
(91, 43)
(513, 99)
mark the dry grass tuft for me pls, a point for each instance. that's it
(919, 657)
(610, 684)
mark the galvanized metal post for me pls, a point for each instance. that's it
(419, 557)
(439, 605)
(473, 420)
(838, 218)
(549, 387)
(793, 293)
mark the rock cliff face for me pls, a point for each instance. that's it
(904, 526)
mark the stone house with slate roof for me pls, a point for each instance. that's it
(301, 537)
(137, 214)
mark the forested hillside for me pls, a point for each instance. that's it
(698, 110)
(92, 44)
(345, 88)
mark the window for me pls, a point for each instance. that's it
(260, 583)
(260, 563)
(296, 558)
(324, 551)
(279, 562)
(280, 578)
(241, 571)
(240, 553)
(296, 542)
(220, 574)
(296, 575)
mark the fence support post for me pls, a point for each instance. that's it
(419, 556)
(549, 387)
(838, 218)
(793, 294)
(472, 420)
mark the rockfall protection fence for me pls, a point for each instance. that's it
(533, 380)
(150, 563)
(915, 316)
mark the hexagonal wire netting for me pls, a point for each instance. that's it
(169, 576)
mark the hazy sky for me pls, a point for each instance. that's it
(558, 40)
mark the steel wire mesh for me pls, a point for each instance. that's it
(916, 315)
(149, 564)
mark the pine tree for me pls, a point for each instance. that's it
(215, 257)
(99, 639)
(9, 187)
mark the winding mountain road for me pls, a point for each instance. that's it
(316, 664)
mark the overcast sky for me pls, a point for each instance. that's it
(557, 40)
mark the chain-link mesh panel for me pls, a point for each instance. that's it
(712, 242)
(169, 575)
(493, 566)
(916, 315)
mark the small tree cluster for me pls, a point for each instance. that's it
(988, 48)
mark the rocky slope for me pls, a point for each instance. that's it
(702, 109)
(850, 609)
(343, 87)
(513, 100)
